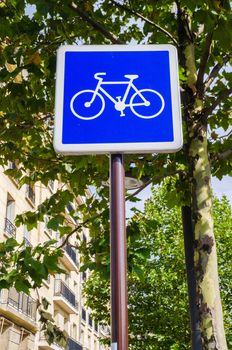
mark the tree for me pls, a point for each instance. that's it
(201, 32)
(158, 303)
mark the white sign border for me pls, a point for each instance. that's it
(132, 147)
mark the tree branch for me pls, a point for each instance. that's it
(223, 95)
(96, 25)
(214, 72)
(147, 183)
(224, 155)
(203, 62)
(140, 189)
(65, 241)
(127, 9)
(46, 116)
(221, 156)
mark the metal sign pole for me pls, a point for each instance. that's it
(119, 313)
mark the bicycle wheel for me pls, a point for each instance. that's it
(84, 108)
(151, 107)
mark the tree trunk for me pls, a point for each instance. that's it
(205, 256)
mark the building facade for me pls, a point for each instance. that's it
(19, 326)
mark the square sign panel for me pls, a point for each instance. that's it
(117, 99)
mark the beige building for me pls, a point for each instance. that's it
(19, 326)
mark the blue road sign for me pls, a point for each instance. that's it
(117, 98)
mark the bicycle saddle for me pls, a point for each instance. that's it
(131, 76)
(97, 75)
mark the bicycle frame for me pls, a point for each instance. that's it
(130, 85)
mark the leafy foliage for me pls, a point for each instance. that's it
(223, 215)
(25, 267)
(53, 334)
(158, 301)
(30, 33)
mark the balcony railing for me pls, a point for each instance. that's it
(71, 253)
(20, 301)
(61, 289)
(30, 193)
(9, 227)
(73, 345)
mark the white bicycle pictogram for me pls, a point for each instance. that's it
(90, 104)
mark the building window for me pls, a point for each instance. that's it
(70, 207)
(90, 321)
(83, 276)
(76, 289)
(83, 314)
(57, 317)
(82, 337)
(13, 165)
(49, 231)
(67, 279)
(30, 193)
(10, 208)
(66, 324)
(71, 252)
(74, 331)
(27, 237)
(10, 228)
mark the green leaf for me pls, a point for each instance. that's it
(139, 272)
(55, 222)
(22, 286)
(45, 303)
(10, 244)
(88, 266)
